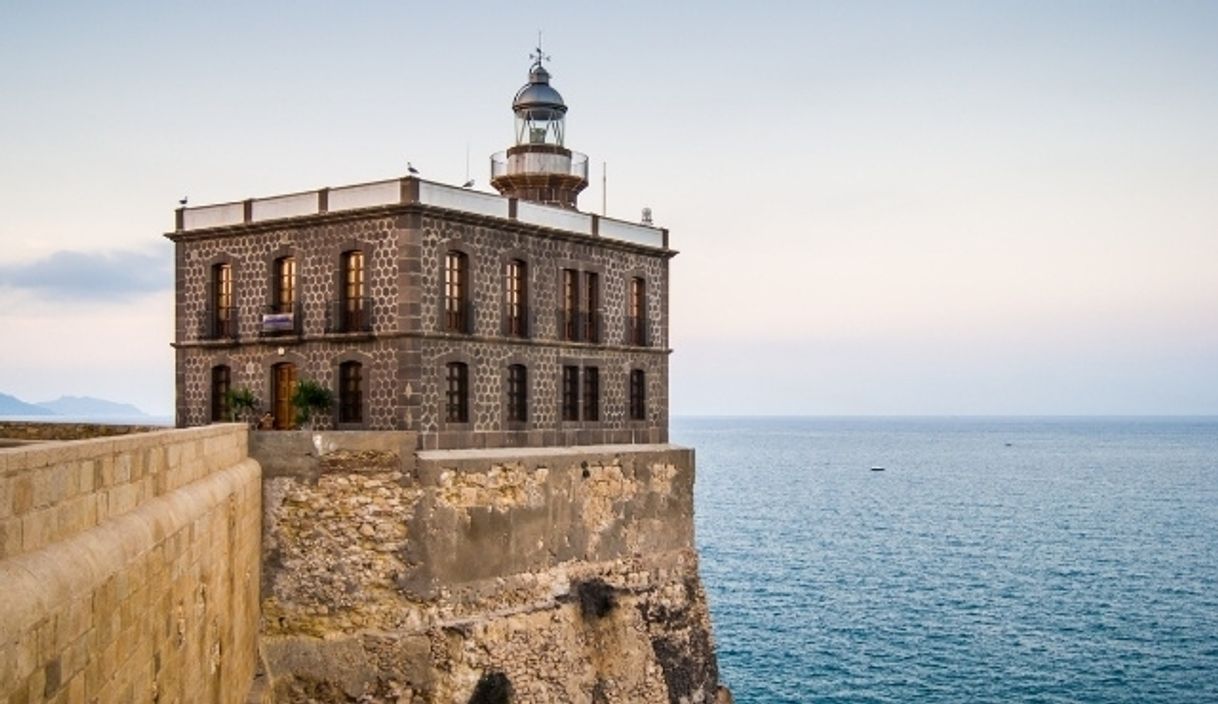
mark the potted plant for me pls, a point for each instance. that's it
(241, 403)
(311, 400)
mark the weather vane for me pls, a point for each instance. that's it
(538, 57)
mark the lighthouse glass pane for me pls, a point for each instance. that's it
(539, 131)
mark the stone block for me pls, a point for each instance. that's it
(76, 689)
(36, 529)
(103, 474)
(6, 496)
(10, 537)
(43, 488)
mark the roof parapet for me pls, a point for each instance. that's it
(408, 190)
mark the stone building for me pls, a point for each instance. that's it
(474, 320)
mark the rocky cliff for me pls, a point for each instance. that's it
(529, 575)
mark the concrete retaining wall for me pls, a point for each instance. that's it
(129, 568)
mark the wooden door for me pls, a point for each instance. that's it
(283, 383)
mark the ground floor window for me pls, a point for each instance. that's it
(221, 383)
(592, 393)
(638, 395)
(456, 408)
(351, 392)
(570, 393)
(517, 393)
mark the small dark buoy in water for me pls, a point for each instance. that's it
(1008, 444)
(877, 469)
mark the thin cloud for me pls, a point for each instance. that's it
(113, 275)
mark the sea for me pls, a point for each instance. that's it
(991, 560)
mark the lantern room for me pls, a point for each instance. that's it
(540, 111)
(539, 167)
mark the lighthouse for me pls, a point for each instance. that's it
(539, 167)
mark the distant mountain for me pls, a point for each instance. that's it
(13, 406)
(87, 407)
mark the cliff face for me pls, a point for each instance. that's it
(530, 575)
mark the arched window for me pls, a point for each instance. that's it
(580, 315)
(570, 305)
(636, 323)
(283, 286)
(222, 317)
(592, 393)
(458, 316)
(592, 306)
(570, 392)
(456, 407)
(518, 393)
(351, 392)
(353, 305)
(221, 383)
(516, 289)
(638, 395)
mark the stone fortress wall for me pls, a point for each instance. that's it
(129, 568)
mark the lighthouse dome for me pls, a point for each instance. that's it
(537, 99)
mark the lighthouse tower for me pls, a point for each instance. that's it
(539, 167)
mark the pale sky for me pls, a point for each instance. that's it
(881, 208)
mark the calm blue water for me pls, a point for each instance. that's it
(1077, 564)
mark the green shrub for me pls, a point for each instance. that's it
(241, 404)
(311, 399)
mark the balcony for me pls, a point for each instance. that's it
(636, 331)
(280, 320)
(349, 315)
(219, 323)
(579, 326)
(551, 160)
(458, 317)
(518, 322)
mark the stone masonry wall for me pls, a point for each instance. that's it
(405, 353)
(129, 568)
(552, 574)
(317, 248)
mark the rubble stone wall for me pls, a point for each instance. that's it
(129, 568)
(526, 575)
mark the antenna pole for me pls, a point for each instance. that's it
(604, 189)
(467, 161)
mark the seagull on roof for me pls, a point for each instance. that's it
(468, 184)
(182, 202)
(410, 167)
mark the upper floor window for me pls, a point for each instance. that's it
(638, 395)
(579, 319)
(351, 392)
(457, 313)
(592, 393)
(570, 305)
(516, 288)
(592, 306)
(636, 323)
(283, 289)
(222, 318)
(456, 408)
(517, 393)
(570, 393)
(353, 307)
(221, 383)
